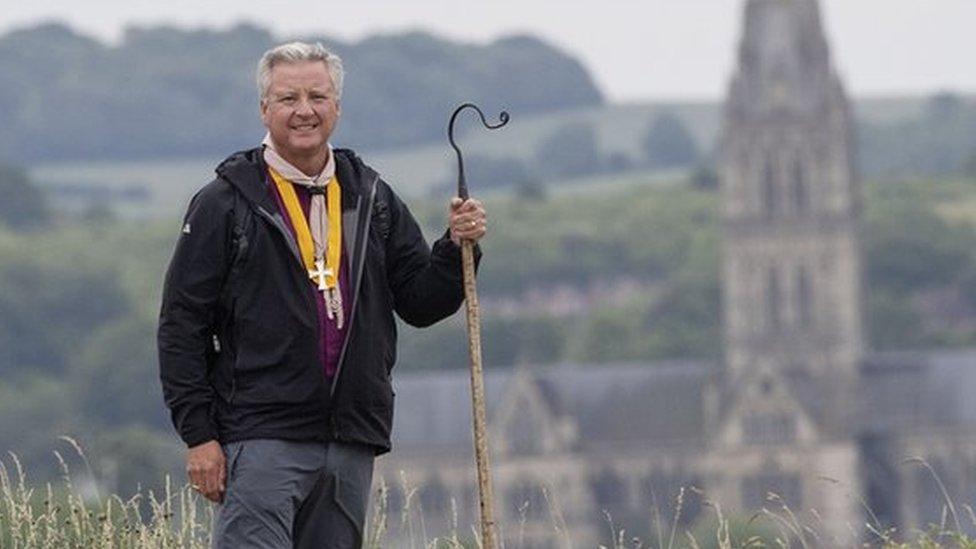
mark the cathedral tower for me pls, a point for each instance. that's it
(791, 263)
(791, 266)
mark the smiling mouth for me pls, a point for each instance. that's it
(305, 127)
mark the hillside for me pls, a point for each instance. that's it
(164, 92)
(899, 138)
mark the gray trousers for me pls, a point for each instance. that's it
(283, 495)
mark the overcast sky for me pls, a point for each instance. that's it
(636, 49)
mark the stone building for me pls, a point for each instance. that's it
(791, 270)
(797, 407)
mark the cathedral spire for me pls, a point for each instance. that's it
(790, 204)
(784, 59)
(790, 264)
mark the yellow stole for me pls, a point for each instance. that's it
(333, 250)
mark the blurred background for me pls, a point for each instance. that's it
(634, 264)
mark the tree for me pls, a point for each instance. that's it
(685, 320)
(668, 144)
(944, 108)
(892, 322)
(704, 178)
(531, 191)
(569, 150)
(47, 311)
(967, 283)
(23, 205)
(34, 410)
(618, 162)
(493, 172)
(909, 247)
(936, 141)
(131, 458)
(610, 334)
(969, 168)
(192, 93)
(115, 377)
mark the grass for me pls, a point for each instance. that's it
(64, 518)
(68, 517)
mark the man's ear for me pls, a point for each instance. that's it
(263, 108)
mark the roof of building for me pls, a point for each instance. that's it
(608, 402)
(663, 401)
(919, 389)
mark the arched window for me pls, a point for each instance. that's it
(770, 193)
(773, 304)
(801, 196)
(524, 431)
(769, 429)
(805, 297)
(608, 490)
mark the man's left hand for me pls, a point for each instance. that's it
(468, 220)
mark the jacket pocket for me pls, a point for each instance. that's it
(262, 345)
(274, 366)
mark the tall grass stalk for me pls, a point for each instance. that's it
(63, 518)
(178, 518)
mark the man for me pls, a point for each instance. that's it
(277, 336)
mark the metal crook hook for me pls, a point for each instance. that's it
(502, 120)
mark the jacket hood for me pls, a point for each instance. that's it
(246, 170)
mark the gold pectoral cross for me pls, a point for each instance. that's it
(333, 297)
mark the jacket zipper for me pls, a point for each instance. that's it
(310, 298)
(359, 278)
(364, 231)
(283, 230)
(233, 366)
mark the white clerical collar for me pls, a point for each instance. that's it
(293, 174)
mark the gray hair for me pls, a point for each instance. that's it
(294, 52)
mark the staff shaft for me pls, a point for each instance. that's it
(486, 498)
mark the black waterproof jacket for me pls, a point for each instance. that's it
(238, 332)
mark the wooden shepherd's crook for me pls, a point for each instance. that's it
(485, 498)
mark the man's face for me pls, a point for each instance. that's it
(301, 108)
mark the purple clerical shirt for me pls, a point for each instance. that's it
(330, 336)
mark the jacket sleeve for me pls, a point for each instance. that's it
(190, 295)
(427, 284)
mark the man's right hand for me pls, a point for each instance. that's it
(207, 469)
